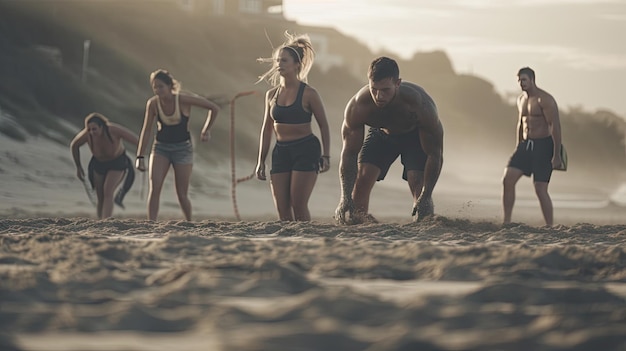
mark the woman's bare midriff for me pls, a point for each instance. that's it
(290, 132)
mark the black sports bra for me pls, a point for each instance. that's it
(292, 114)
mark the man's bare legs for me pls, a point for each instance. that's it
(365, 180)
(541, 189)
(182, 178)
(511, 176)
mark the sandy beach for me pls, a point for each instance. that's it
(456, 282)
(234, 278)
(128, 284)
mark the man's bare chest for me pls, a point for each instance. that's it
(393, 121)
(530, 107)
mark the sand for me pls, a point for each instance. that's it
(82, 284)
(458, 281)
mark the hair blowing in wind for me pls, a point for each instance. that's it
(302, 51)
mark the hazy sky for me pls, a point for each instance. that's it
(577, 47)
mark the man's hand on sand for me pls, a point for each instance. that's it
(360, 217)
(345, 205)
(356, 217)
(423, 208)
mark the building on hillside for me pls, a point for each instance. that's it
(234, 7)
(324, 59)
(335, 50)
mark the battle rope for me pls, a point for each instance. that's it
(233, 176)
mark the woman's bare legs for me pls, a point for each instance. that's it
(112, 180)
(281, 189)
(98, 183)
(159, 165)
(302, 184)
(182, 178)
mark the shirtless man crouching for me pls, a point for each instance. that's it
(403, 122)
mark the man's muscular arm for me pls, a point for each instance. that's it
(520, 132)
(551, 113)
(431, 137)
(352, 142)
(352, 132)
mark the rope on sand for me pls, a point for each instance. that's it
(91, 194)
(234, 179)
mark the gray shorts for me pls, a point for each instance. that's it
(176, 153)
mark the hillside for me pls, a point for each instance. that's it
(216, 57)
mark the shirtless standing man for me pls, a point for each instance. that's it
(538, 145)
(403, 121)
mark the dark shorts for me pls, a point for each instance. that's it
(298, 155)
(534, 156)
(381, 150)
(176, 153)
(120, 163)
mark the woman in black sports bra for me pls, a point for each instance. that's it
(298, 156)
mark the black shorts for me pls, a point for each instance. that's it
(121, 163)
(534, 156)
(298, 155)
(382, 149)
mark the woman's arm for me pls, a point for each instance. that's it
(206, 104)
(146, 131)
(265, 138)
(75, 144)
(124, 133)
(317, 107)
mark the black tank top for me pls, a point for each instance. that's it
(173, 128)
(292, 114)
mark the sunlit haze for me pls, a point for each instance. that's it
(575, 46)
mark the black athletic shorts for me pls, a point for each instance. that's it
(382, 149)
(297, 155)
(102, 167)
(534, 156)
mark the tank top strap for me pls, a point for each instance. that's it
(159, 109)
(176, 108)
